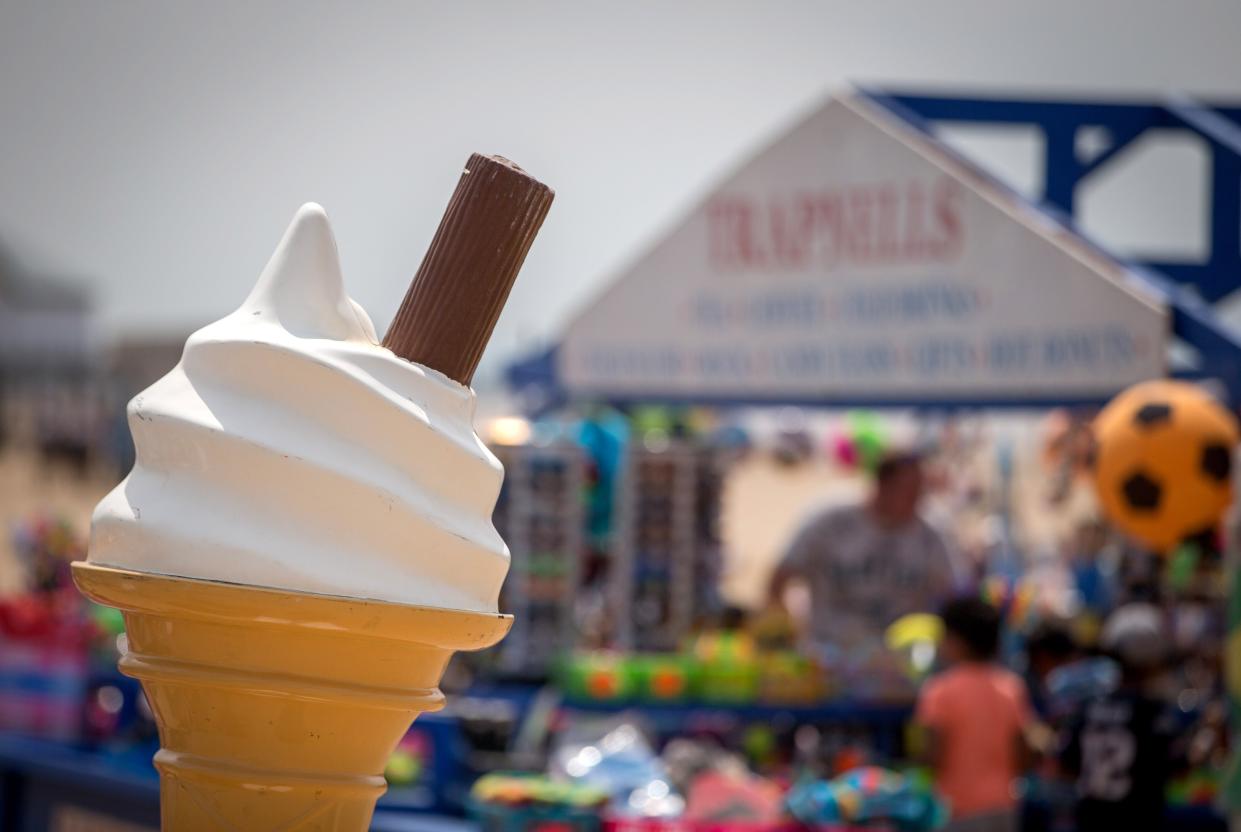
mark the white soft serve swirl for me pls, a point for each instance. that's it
(289, 450)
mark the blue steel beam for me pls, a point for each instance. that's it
(1064, 171)
(1223, 272)
(1020, 111)
(1194, 321)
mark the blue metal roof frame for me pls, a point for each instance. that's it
(1064, 171)
(1187, 288)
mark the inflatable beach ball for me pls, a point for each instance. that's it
(1163, 462)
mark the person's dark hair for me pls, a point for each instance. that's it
(1051, 639)
(733, 618)
(976, 623)
(894, 463)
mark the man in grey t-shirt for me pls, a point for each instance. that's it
(867, 565)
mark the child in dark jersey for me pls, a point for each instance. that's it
(1119, 746)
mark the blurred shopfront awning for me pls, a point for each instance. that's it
(858, 260)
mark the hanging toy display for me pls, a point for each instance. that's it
(1163, 462)
(843, 451)
(859, 443)
(868, 437)
(916, 638)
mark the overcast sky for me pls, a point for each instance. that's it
(156, 150)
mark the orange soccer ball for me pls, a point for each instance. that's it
(1163, 462)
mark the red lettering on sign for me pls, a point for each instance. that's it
(874, 224)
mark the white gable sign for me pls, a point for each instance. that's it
(855, 260)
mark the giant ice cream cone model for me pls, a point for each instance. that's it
(278, 709)
(305, 539)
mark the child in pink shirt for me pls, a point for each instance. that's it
(975, 716)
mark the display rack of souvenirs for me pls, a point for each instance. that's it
(666, 544)
(540, 514)
(708, 550)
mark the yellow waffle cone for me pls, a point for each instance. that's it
(278, 710)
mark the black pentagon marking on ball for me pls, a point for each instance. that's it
(1141, 492)
(1152, 414)
(1217, 462)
